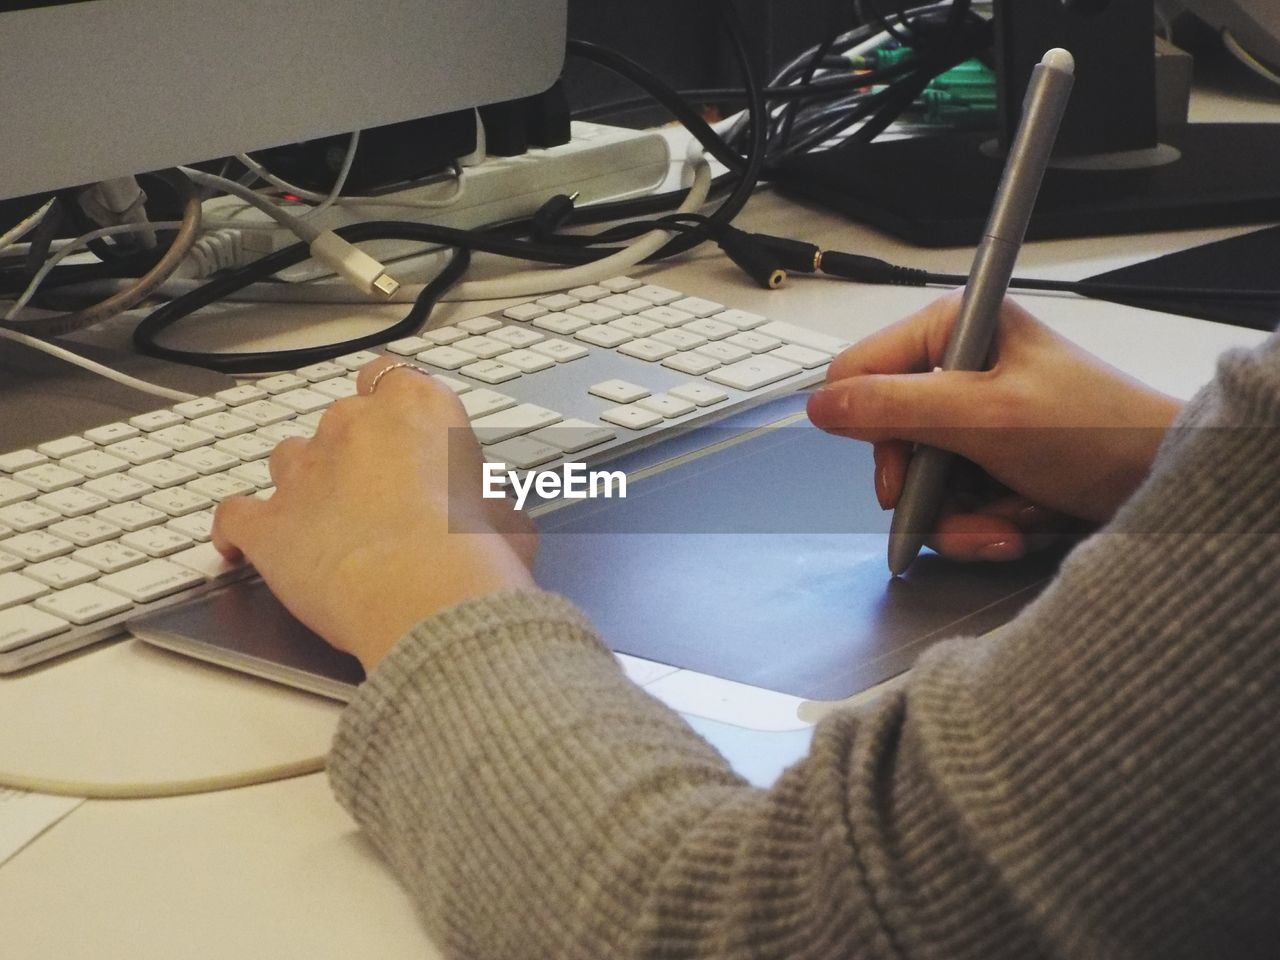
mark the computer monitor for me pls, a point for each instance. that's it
(95, 89)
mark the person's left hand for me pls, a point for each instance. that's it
(357, 541)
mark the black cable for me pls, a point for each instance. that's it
(144, 336)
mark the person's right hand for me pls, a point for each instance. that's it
(1061, 432)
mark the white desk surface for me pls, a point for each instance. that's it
(279, 870)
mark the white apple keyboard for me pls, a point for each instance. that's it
(107, 525)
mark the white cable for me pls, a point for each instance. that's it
(349, 261)
(93, 366)
(16, 233)
(347, 163)
(72, 247)
(387, 201)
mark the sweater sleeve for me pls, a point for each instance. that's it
(1098, 778)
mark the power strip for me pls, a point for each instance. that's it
(599, 162)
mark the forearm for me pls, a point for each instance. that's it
(1100, 775)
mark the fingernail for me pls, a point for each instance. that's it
(828, 406)
(999, 550)
(882, 487)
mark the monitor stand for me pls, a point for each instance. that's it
(936, 191)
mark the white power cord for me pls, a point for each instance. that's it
(346, 259)
(23, 227)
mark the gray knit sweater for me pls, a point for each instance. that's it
(1100, 778)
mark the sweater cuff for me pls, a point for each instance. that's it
(371, 712)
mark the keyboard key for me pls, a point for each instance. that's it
(48, 477)
(408, 346)
(647, 349)
(512, 422)
(802, 337)
(724, 352)
(326, 370)
(155, 420)
(594, 313)
(699, 393)
(85, 531)
(625, 304)
(525, 312)
(680, 339)
(11, 491)
(740, 319)
(632, 417)
(27, 516)
(573, 435)
(221, 486)
(698, 306)
(590, 292)
(490, 371)
(523, 453)
(15, 589)
(151, 580)
(561, 323)
(693, 363)
(96, 464)
(199, 407)
(479, 325)
(637, 326)
(303, 401)
(256, 473)
(281, 383)
(64, 447)
(110, 557)
(20, 460)
(457, 386)
(176, 502)
(658, 296)
(110, 433)
(481, 402)
(517, 336)
(444, 336)
(61, 573)
(139, 450)
(71, 502)
(711, 329)
(236, 396)
(339, 389)
(353, 361)
(25, 624)
(205, 560)
(446, 358)
(156, 541)
(247, 446)
(600, 335)
(617, 391)
(620, 284)
(803, 356)
(265, 412)
(181, 437)
(561, 351)
(753, 374)
(197, 526)
(754, 341)
(132, 516)
(282, 431)
(557, 302)
(9, 562)
(483, 347)
(37, 545)
(667, 316)
(223, 425)
(670, 407)
(526, 361)
(86, 603)
(164, 473)
(118, 488)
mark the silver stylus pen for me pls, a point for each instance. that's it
(970, 343)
